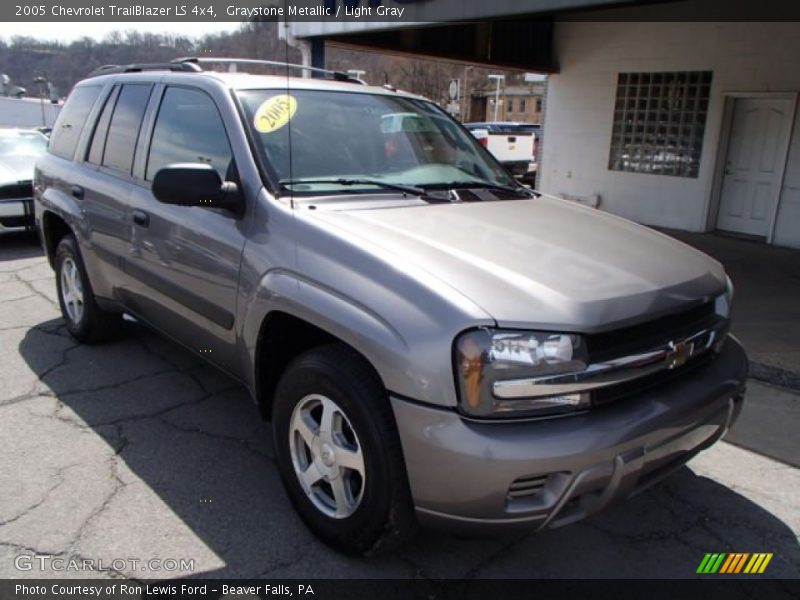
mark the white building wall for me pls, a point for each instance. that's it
(755, 57)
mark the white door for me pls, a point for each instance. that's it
(754, 165)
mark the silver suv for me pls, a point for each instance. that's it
(432, 342)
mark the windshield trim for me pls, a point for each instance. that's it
(269, 177)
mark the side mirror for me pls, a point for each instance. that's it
(196, 184)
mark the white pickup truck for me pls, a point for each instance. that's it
(513, 144)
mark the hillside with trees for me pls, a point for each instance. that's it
(25, 58)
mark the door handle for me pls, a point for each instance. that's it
(141, 218)
(77, 192)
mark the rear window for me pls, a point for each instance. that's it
(505, 128)
(69, 125)
(511, 130)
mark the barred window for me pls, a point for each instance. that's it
(659, 122)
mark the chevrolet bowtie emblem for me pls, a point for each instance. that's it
(678, 354)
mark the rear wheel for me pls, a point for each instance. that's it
(338, 452)
(85, 320)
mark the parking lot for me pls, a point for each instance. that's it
(137, 450)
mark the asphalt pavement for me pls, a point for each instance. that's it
(114, 455)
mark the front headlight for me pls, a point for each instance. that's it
(722, 307)
(485, 359)
(724, 302)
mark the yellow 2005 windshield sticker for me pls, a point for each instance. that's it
(275, 113)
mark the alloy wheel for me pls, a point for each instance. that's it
(327, 456)
(72, 290)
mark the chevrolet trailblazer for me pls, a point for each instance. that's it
(432, 342)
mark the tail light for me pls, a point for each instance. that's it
(484, 141)
(535, 149)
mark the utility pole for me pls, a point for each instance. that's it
(41, 81)
(498, 78)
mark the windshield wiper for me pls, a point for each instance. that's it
(518, 190)
(406, 189)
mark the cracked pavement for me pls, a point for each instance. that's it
(136, 449)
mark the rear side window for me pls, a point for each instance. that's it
(101, 129)
(70, 122)
(123, 131)
(189, 129)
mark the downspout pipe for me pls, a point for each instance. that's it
(304, 46)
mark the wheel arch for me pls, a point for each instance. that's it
(281, 338)
(54, 229)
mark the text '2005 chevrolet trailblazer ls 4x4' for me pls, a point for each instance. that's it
(432, 342)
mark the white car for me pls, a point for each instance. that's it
(19, 150)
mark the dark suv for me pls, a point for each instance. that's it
(431, 341)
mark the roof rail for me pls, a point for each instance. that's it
(192, 64)
(232, 62)
(137, 68)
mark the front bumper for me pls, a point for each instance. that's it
(475, 476)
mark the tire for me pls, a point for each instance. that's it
(377, 513)
(85, 320)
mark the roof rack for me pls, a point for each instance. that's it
(192, 64)
(137, 68)
(232, 62)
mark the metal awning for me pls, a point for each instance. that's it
(509, 33)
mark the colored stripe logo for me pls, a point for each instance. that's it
(734, 563)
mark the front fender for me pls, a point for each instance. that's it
(414, 363)
(394, 313)
(338, 315)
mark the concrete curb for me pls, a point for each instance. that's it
(775, 376)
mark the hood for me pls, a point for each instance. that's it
(16, 168)
(542, 262)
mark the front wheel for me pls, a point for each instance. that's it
(338, 452)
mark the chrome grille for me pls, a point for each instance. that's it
(652, 333)
(668, 356)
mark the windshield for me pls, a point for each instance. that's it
(22, 144)
(322, 135)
